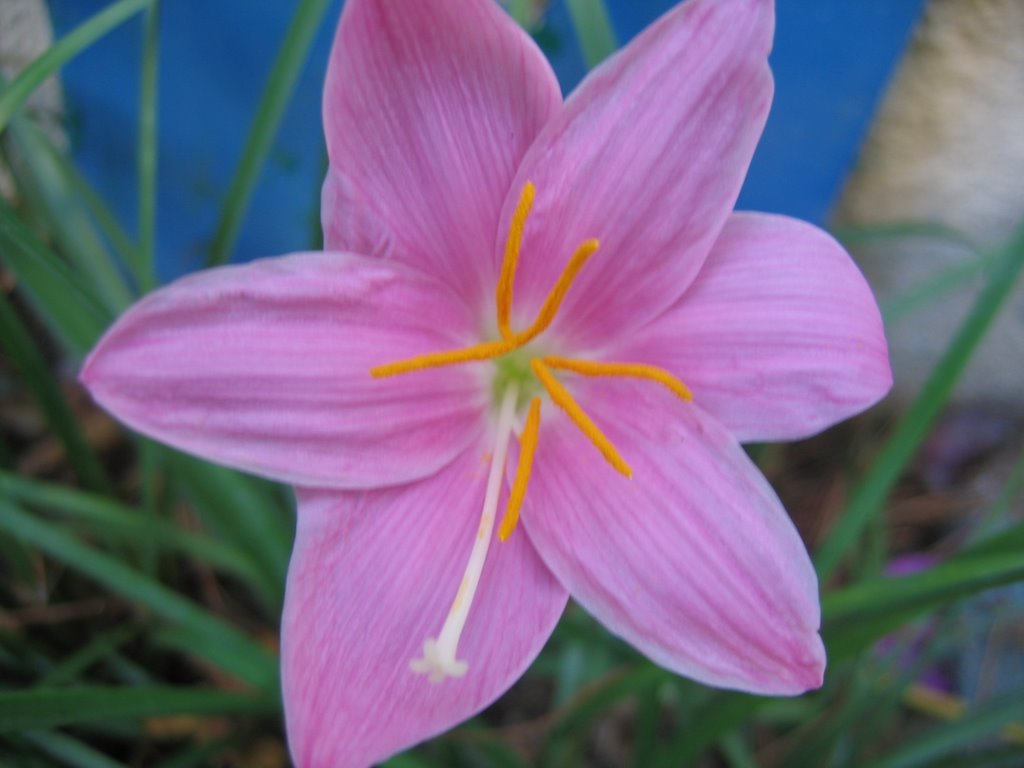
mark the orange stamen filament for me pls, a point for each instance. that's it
(486, 351)
(633, 370)
(554, 300)
(489, 350)
(527, 447)
(513, 245)
(560, 396)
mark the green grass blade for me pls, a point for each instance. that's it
(880, 710)
(868, 498)
(963, 733)
(275, 99)
(935, 288)
(75, 317)
(20, 348)
(242, 510)
(68, 751)
(594, 29)
(107, 223)
(50, 707)
(852, 237)
(152, 497)
(1006, 541)
(18, 563)
(721, 715)
(147, 155)
(1010, 495)
(647, 725)
(597, 698)
(981, 757)
(218, 641)
(407, 760)
(73, 666)
(492, 752)
(126, 671)
(521, 11)
(62, 217)
(870, 694)
(65, 49)
(316, 229)
(736, 752)
(857, 616)
(15, 752)
(117, 522)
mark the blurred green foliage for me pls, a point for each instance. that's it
(178, 566)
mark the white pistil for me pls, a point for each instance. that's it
(439, 660)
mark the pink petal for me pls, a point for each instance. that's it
(372, 576)
(429, 107)
(694, 560)
(778, 337)
(648, 157)
(266, 367)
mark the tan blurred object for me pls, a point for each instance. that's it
(948, 147)
(25, 32)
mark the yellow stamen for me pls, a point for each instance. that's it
(486, 351)
(527, 446)
(560, 396)
(554, 300)
(491, 349)
(634, 370)
(513, 245)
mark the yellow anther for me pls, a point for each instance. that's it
(527, 447)
(513, 245)
(554, 300)
(486, 351)
(491, 349)
(560, 396)
(634, 370)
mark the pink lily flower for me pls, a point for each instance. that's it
(527, 309)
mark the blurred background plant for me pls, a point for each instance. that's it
(140, 589)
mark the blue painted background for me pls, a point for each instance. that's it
(832, 59)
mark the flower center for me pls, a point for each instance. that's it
(514, 369)
(515, 373)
